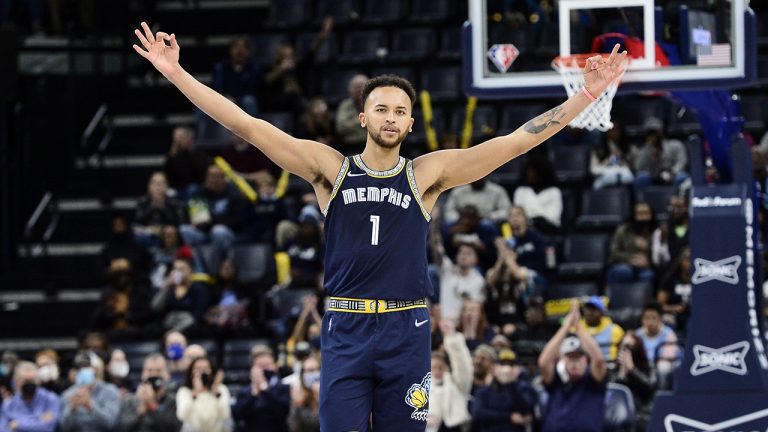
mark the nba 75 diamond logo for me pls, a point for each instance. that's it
(727, 359)
(503, 55)
(724, 270)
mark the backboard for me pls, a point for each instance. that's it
(675, 44)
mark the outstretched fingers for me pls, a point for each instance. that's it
(147, 31)
(140, 51)
(142, 39)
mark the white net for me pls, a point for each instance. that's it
(598, 114)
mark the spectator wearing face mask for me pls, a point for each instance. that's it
(117, 372)
(203, 402)
(32, 408)
(153, 407)
(264, 405)
(635, 372)
(305, 398)
(174, 344)
(48, 372)
(631, 248)
(181, 303)
(451, 382)
(90, 404)
(491, 201)
(154, 210)
(507, 404)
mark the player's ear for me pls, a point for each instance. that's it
(410, 126)
(361, 117)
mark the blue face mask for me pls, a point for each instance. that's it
(174, 352)
(310, 378)
(85, 376)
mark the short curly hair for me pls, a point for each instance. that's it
(388, 81)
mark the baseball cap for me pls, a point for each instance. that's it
(82, 359)
(597, 302)
(571, 344)
(507, 356)
(486, 350)
(652, 124)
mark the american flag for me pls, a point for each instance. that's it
(714, 55)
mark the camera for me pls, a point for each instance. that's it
(207, 380)
(156, 382)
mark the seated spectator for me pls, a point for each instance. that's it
(238, 77)
(469, 229)
(202, 403)
(490, 200)
(228, 311)
(185, 166)
(261, 219)
(124, 307)
(630, 255)
(174, 344)
(215, 213)
(181, 303)
(304, 415)
(265, 403)
(316, 123)
(458, 281)
(539, 196)
(635, 372)
(122, 245)
(306, 253)
(247, 160)
(530, 246)
(573, 370)
(674, 293)
(90, 404)
(607, 334)
(508, 403)
(609, 162)
(95, 342)
(660, 160)
(153, 407)
(164, 254)
(47, 361)
(670, 238)
(32, 408)
(154, 210)
(117, 371)
(659, 340)
(483, 359)
(473, 324)
(308, 318)
(509, 286)
(351, 134)
(451, 382)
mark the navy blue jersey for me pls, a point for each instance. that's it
(376, 234)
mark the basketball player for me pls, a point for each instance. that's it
(376, 338)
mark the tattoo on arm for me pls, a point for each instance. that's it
(543, 121)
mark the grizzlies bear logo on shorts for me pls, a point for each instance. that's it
(418, 398)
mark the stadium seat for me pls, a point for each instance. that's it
(431, 11)
(209, 257)
(753, 109)
(508, 175)
(484, 122)
(342, 11)
(289, 13)
(619, 409)
(571, 290)
(412, 44)
(327, 51)
(515, 115)
(658, 198)
(443, 83)
(363, 46)
(383, 12)
(584, 254)
(626, 301)
(254, 263)
(570, 207)
(242, 346)
(570, 163)
(335, 84)
(450, 44)
(266, 47)
(604, 208)
(402, 71)
(438, 123)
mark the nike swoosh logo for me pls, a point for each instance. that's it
(356, 175)
(420, 323)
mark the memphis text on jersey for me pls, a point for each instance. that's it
(375, 194)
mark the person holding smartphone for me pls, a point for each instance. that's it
(203, 402)
(153, 407)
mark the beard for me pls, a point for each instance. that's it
(382, 142)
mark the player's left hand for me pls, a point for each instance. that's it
(599, 71)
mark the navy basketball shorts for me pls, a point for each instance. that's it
(375, 371)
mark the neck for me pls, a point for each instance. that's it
(379, 158)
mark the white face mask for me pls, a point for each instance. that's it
(119, 369)
(48, 373)
(310, 378)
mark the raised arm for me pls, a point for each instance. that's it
(445, 169)
(310, 160)
(551, 352)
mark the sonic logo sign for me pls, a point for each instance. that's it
(752, 422)
(727, 359)
(724, 270)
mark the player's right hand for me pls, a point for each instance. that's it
(163, 57)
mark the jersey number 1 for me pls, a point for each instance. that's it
(375, 231)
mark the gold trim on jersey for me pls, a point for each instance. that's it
(415, 190)
(379, 174)
(337, 183)
(343, 304)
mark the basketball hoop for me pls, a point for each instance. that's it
(598, 114)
